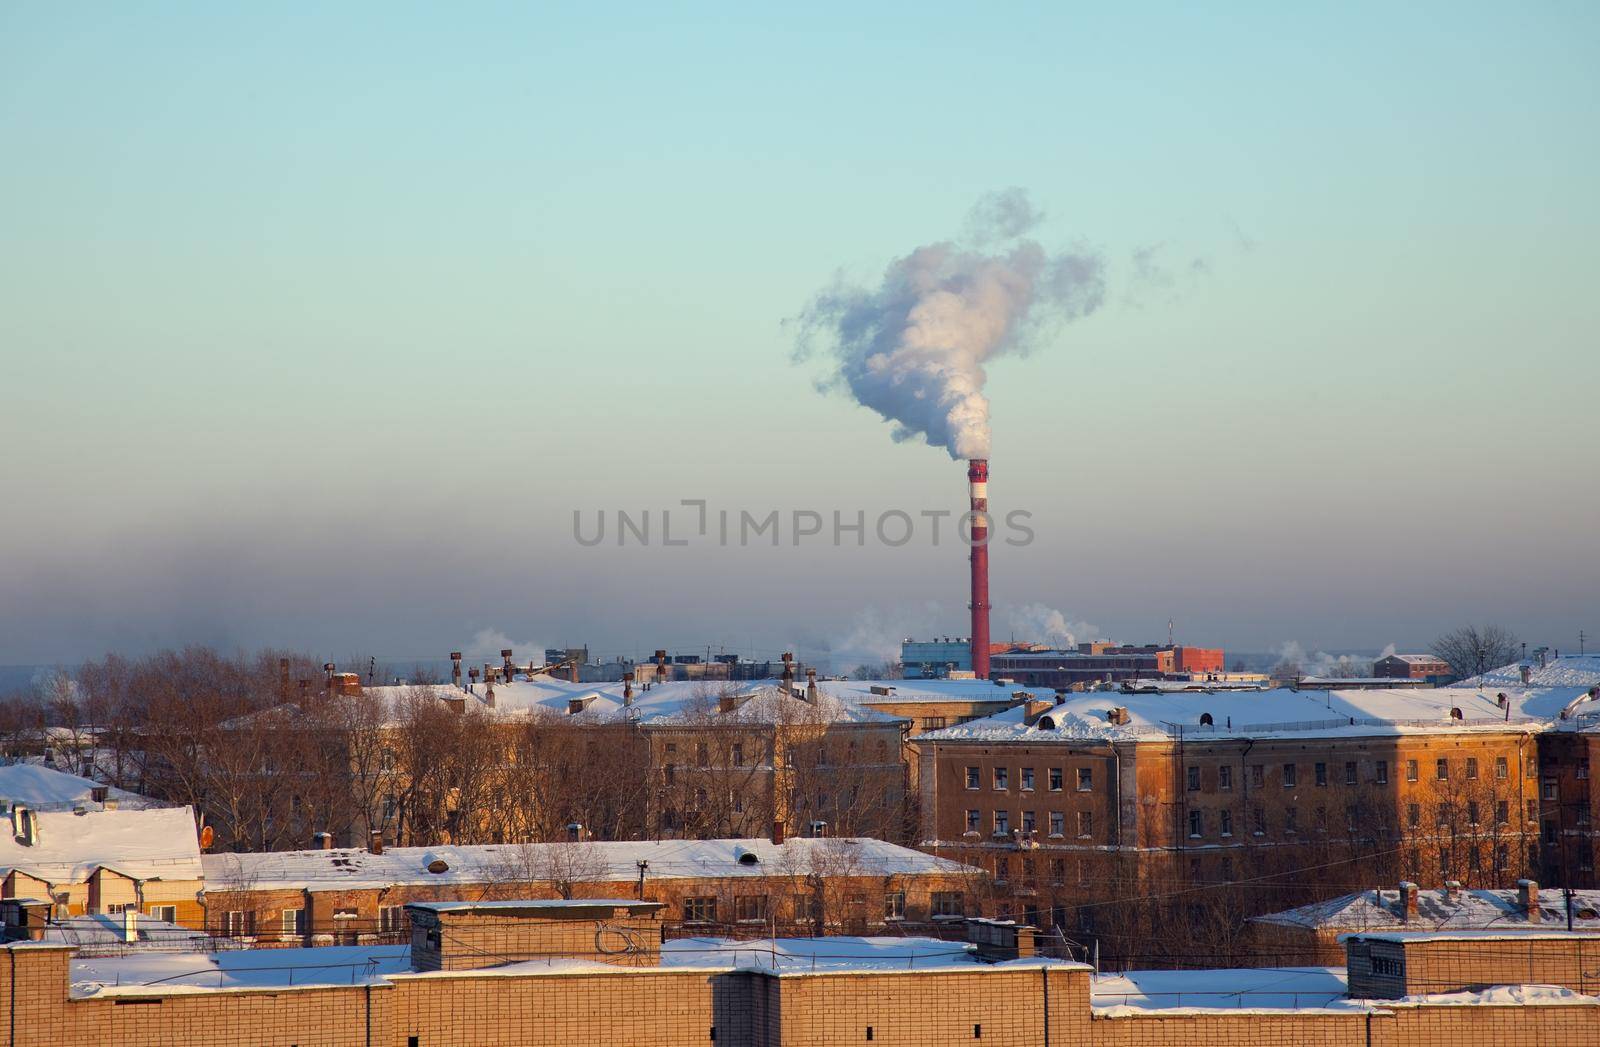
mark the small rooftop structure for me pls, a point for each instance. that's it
(66, 847)
(46, 789)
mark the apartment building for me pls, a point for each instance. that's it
(1079, 797)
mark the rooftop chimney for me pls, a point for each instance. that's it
(777, 830)
(1528, 899)
(130, 925)
(322, 841)
(572, 670)
(455, 668)
(627, 687)
(1452, 891)
(661, 664)
(1527, 672)
(811, 686)
(1408, 901)
(788, 670)
(511, 670)
(328, 667)
(978, 487)
(375, 841)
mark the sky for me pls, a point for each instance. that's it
(318, 326)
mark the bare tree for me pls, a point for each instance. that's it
(562, 867)
(1473, 649)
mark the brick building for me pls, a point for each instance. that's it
(343, 896)
(1412, 667)
(583, 972)
(1081, 798)
(1313, 935)
(1101, 662)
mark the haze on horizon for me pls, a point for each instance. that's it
(317, 326)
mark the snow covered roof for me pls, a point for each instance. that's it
(101, 930)
(554, 908)
(1260, 987)
(664, 704)
(1415, 659)
(1569, 670)
(1353, 713)
(150, 973)
(1469, 934)
(1438, 910)
(609, 862)
(46, 789)
(156, 844)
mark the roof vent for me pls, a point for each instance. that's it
(438, 865)
(1046, 723)
(1118, 716)
(744, 857)
(1455, 713)
(1206, 719)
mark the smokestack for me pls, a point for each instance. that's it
(511, 670)
(788, 671)
(978, 487)
(627, 687)
(572, 670)
(811, 686)
(455, 668)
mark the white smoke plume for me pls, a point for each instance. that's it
(488, 643)
(1036, 623)
(1294, 661)
(914, 348)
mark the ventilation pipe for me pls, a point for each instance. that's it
(455, 668)
(1528, 900)
(1408, 902)
(811, 686)
(375, 841)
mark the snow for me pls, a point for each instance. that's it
(615, 862)
(1436, 910)
(844, 953)
(147, 973)
(1478, 935)
(96, 931)
(663, 704)
(1501, 996)
(45, 789)
(553, 905)
(1281, 711)
(1259, 988)
(156, 844)
(1580, 671)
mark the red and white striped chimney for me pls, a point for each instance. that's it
(978, 485)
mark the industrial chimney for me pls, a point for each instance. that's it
(455, 668)
(978, 486)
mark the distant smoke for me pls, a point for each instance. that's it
(490, 642)
(1037, 623)
(1293, 661)
(914, 348)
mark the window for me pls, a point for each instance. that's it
(1533, 810)
(1227, 868)
(700, 910)
(1322, 819)
(114, 908)
(1194, 779)
(1387, 966)
(1058, 823)
(1472, 767)
(1502, 857)
(1500, 767)
(169, 913)
(1381, 772)
(1001, 778)
(1085, 823)
(1258, 775)
(392, 919)
(238, 924)
(1027, 779)
(1058, 871)
(1552, 833)
(1002, 868)
(1083, 881)
(801, 905)
(752, 908)
(1349, 772)
(1225, 818)
(1002, 822)
(1225, 778)
(738, 754)
(1029, 823)
(1443, 815)
(972, 778)
(294, 921)
(1288, 775)
(973, 820)
(1322, 773)
(1055, 779)
(1411, 770)
(1291, 819)
(1548, 790)
(1441, 769)
(1261, 821)
(1502, 812)
(1413, 815)
(1531, 768)
(1472, 812)
(1196, 825)
(1583, 767)
(934, 723)
(948, 903)
(702, 755)
(1085, 779)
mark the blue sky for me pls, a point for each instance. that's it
(317, 326)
